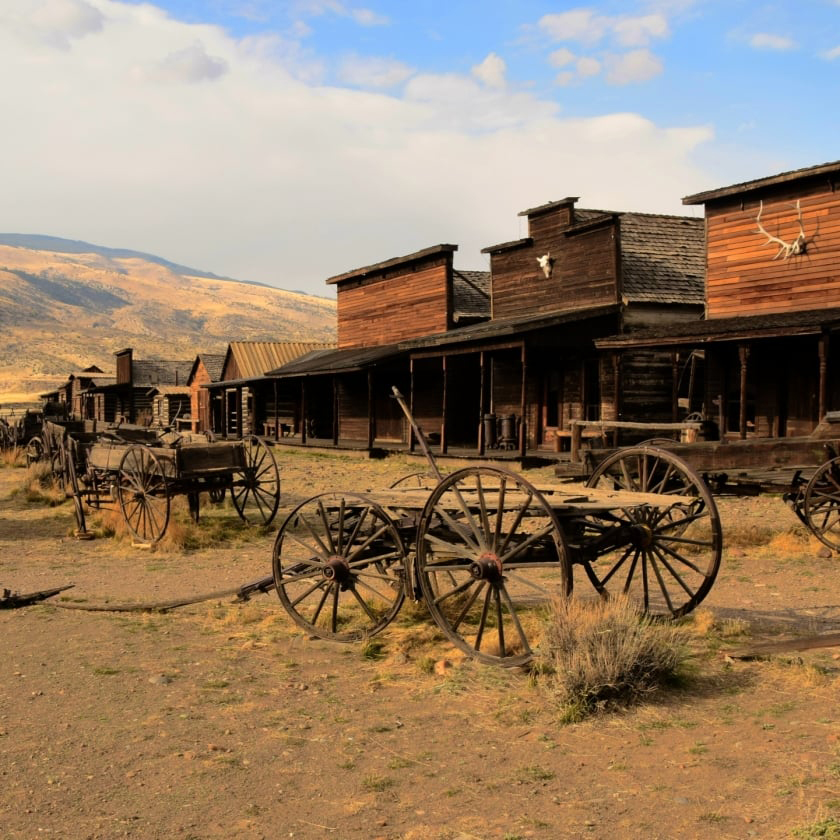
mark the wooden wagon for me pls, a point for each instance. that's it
(805, 471)
(140, 470)
(488, 551)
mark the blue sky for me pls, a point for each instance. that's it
(286, 142)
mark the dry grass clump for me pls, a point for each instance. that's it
(15, 456)
(39, 487)
(604, 654)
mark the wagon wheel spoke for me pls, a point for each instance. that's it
(143, 494)
(669, 554)
(255, 491)
(338, 566)
(490, 558)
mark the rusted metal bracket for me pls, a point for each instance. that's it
(11, 600)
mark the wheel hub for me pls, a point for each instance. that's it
(487, 567)
(642, 535)
(337, 569)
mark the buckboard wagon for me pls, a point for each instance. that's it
(140, 470)
(804, 470)
(488, 552)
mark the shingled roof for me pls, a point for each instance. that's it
(470, 295)
(663, 258)
(158, 372)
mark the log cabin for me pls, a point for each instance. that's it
(766, 357)
(206, 368)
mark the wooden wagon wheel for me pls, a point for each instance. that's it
(74, 487)
(217, 494)
(339, 566)
(671, 555)
(491, 556)
(821, 504)
(255, 490)
(34, 451)
(143, 494)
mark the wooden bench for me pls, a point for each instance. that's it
(561, 435)
(286, 425)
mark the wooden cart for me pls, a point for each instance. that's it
(804, 470)
(140, 471)
(488, 551)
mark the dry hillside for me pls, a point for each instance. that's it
(60, 312)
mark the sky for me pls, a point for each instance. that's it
(288, 142)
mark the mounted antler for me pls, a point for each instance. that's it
(789, 249)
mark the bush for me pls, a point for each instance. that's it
(602, 654)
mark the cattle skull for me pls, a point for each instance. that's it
(546, 262)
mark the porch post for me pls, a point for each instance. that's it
(444, 443)
(675, 386)
(743, 355)
(823, 352)
(303, 410)
(523, 407)
(276, 414)
(411, 404)
(616, 393)
(482, 396)
(335, 410)
(371, 418)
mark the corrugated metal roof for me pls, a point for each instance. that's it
(663, 258)
(254, 358)
(333, 361)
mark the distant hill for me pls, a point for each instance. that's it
(66, 304)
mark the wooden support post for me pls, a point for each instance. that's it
(743, 355)
(482, 400)
(335, 411)
(371, 413)
(303, 411)
(276, 414)
(444, 443)
(675, 386)
(823, 392)
(574, 445)
(616, 394)
(411, 435)
(523, 404)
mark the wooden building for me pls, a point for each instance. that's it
(507, 358)
(206, 368)
(76, 397)
(244, 401)
(171, 408)
(130, 398)
(768, 351)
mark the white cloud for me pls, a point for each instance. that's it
(365, 17)
(632, 67)
(372, 72)
(830, 55)
(588, 66)
(561, 57)
(53, 22)
(575, 25)
(588, 27)
(491, 71)
(267, 174)
(190, 64)
(766, 41)
(640, 31)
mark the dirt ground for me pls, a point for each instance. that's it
(222, 719)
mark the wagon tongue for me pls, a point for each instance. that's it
(419, 434)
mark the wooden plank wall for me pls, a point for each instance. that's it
(744, 275)
(585, 270)
(394, 306)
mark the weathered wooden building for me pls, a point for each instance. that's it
(768, 352)
(130, 397)
(507, 358)
(171, 407)
(206, 368)
(75, 397)
(244, 401)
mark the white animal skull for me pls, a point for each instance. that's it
(546, 262)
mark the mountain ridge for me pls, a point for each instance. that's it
(62, 310)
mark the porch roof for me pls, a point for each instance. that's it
(743, 327)
(337, 361)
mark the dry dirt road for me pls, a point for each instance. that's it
(222, 719)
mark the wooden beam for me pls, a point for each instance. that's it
(371, 412)
(823, 398)
(523, 403)
(482, 401)
(444, 443)
(743, 356)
